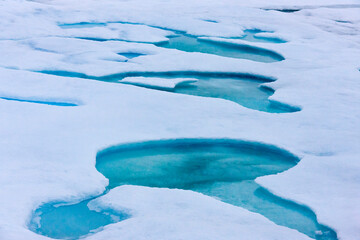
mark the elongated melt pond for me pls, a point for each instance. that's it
(181, 41)
(244, 91)
(222, 168)
(242, 88)
(190, 43)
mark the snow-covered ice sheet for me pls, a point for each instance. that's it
(48, 152)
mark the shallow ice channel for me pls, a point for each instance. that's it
(222, 168)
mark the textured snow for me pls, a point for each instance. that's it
(48, 152)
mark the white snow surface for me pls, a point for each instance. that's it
(48, 152)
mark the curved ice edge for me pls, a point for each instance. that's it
(290, 201)
(46, 101)
(288, 108)
(248, 144)
(285, 106)
(190, 73)
(270, 36)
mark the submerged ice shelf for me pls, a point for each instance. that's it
(222, 168)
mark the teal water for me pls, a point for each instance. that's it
(187, 163)
(62, 104)
(221, 168)
(225, 169)
(189, 43)
(241, 88)
(246, 92)
(70, 221)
